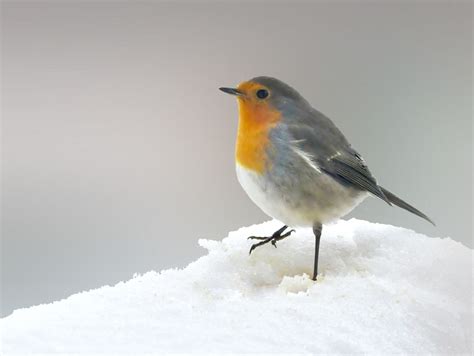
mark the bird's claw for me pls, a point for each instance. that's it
(256, 238)
(277, 236)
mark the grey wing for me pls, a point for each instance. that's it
(349, 166)
(321, 140)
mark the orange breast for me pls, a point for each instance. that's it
(255, 122)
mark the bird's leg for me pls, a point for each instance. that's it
(277, 236)
(317, 229)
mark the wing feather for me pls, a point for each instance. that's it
(320, 139)
(353, 170)
(315, 137)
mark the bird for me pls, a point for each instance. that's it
(295, 164)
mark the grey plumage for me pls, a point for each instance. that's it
(308, 130)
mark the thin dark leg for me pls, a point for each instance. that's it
(317, 229)
(276, 236)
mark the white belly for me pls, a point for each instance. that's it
(328, 200)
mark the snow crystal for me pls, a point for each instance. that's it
(382, 289)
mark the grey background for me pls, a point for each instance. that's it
(117, 147)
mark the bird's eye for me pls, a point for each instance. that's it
(262, 93)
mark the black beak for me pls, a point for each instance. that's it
(232, 91)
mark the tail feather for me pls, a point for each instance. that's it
(400, 203)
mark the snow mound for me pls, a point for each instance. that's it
(382, 289)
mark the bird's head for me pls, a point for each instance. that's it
(263, 99)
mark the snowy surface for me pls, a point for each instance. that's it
(382, 289)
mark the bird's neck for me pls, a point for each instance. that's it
(255, 123)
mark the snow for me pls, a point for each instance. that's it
(382, 289)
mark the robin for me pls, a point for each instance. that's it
(295, 164)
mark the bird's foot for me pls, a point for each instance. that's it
(277, 236)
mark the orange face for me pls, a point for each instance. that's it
(256, 118)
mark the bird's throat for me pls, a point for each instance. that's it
(255, 123)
